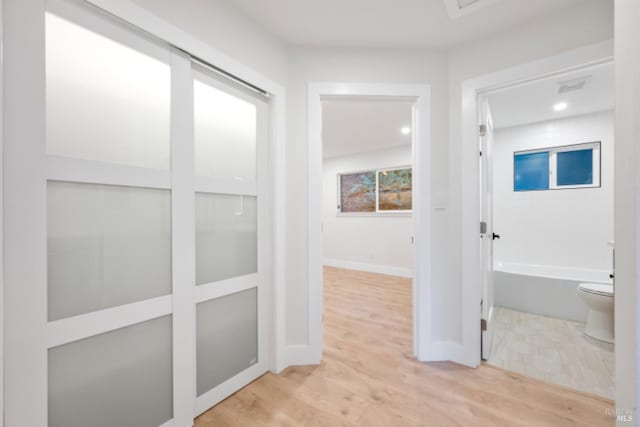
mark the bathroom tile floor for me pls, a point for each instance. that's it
(554, 350)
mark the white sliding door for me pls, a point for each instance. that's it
(230, 128)
(136, 283)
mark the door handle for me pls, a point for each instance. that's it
(495, 236)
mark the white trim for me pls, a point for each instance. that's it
(214, 396)
(264, 238)
(421, 206)
(183, 239)
(277, 177)
(25, 219)
(299, 354)
(75, 328)
(93, 172)
(588, 56)
(446, 350)
(379, 214)
(2, 312)
(225, 287)
(371, 268)
(169, 423)
(141, 18)
(217, 185)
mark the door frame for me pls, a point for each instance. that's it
(423, 347)
(472, 89)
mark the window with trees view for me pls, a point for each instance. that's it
(381, 190)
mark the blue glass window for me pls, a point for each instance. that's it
(531, 171)
(575, 167)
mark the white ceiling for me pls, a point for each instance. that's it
(534, 102)
(351, 126)
(390, 23)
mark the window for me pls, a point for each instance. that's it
(531, 171)
(375, 191)
(394, 190)
(358, 192)
(571, 166)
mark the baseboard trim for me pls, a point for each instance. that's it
(371, 268)
(301, 355)
(448, 351)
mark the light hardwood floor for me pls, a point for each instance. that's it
(369, 378)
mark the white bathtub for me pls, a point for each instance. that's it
(545, 290)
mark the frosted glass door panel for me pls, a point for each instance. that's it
(225, 134)
(226, 237)
(120, 378)
(227, 338)
(107, 246)
(105, 101)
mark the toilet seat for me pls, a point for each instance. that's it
(604, 289)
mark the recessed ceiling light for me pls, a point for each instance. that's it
(405, 130)
(560, 106)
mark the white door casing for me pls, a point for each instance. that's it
(425, 348)
(472, 270)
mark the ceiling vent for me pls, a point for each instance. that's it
(458, 8)
(573, 85)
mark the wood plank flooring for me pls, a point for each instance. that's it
(369, 378)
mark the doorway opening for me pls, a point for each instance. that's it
(389, 182)
(367, 223)
(546, 206)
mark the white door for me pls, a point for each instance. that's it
(136, 227)
(487, 233)
(230, 134)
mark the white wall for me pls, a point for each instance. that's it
(563, 228)
(219, 24)
(626, 208)
(360, 66)
(369, 242)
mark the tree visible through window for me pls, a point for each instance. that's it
(358, 192)
(394, 190)
(383, 190)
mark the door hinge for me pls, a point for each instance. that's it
(483, 227)
(483, 325)
(482, 130)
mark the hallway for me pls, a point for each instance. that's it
(368, 377)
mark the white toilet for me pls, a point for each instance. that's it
(599, 299)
